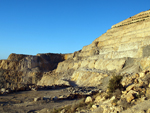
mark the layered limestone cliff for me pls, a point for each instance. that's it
(125, 48)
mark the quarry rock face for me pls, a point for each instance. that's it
(26, 69)
(125, 48)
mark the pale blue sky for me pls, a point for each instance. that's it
(59, 26)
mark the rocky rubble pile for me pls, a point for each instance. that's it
(73, 94)
(83, 90)
(136, 93)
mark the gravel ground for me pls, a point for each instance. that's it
(23, 102)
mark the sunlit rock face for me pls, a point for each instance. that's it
(125, 48)
(27, 69)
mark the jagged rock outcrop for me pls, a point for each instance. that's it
(19, 69)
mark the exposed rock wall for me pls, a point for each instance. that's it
(27, 69)
(125, 48)
(111, 51)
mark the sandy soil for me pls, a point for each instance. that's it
(23, 102)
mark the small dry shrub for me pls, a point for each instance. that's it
(114, 83)
(114, 87)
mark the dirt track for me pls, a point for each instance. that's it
(23, 102)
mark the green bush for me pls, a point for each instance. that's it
(114, 84)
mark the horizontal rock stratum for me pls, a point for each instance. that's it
(125, 48)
